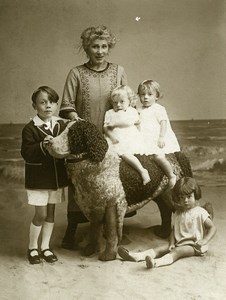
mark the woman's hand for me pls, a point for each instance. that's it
(73, 116)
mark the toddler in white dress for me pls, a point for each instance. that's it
(120, 128)
(155, 128)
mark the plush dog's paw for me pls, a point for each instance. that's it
(106, 256)
(89, 249)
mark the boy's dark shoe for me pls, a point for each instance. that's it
(49, 258)
(33, 259)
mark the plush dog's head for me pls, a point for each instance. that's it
(84, 136)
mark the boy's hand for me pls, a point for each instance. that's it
(47, 140)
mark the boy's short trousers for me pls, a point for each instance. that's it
(44, 197)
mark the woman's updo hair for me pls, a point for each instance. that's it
(119, 90)
(149, 84)
(100, 32)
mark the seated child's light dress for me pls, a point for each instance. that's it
(150, 118)
(129, 137)
(188, 228)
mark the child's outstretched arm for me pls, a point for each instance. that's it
(210, 232)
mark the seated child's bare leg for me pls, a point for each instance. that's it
(134, 256)
(135, 163)
(167, 168)
(169, 258)
(140, 256)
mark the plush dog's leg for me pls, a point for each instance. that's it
(73, 219)
(163, 231)
(96, 230)
(69, 236)
(110, 251)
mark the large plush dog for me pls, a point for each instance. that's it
(107, 187)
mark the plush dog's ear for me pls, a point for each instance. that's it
(96, 144)
(76, 138)
(83, 137)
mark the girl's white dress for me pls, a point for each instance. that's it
(130, 139)
(189, 225)
(150, 118)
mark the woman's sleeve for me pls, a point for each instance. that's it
(68, 103)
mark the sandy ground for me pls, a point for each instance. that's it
(77, 277)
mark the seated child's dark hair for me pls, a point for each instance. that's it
(52, 95)
(186, 186)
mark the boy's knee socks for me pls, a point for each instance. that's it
(164, 260)
(46, 235)
(33, 236)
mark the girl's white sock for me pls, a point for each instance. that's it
(33, 236)
(164, 260)
(139, 256)
(47, 230)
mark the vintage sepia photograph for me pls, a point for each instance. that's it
(112, 149)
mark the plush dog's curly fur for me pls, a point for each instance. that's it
(105, 180)
(84, 137)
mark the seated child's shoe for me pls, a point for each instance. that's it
(150, 262)
(125, 255)
(48, 256)
(33, 256)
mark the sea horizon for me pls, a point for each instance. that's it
(203, 141)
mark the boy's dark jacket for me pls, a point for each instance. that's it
(42, 171)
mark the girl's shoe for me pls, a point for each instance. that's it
(150, 262)
(125, 255)
(49, 258)
(33, 259)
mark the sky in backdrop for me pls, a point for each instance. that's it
(179, 43)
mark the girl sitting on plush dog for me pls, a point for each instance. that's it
(120, 128)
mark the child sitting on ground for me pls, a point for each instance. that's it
(192, 229)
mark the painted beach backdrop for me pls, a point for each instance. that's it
(77, 277)
(203, 141)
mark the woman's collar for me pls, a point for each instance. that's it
(107, 66)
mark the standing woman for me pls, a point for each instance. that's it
(87, 95)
